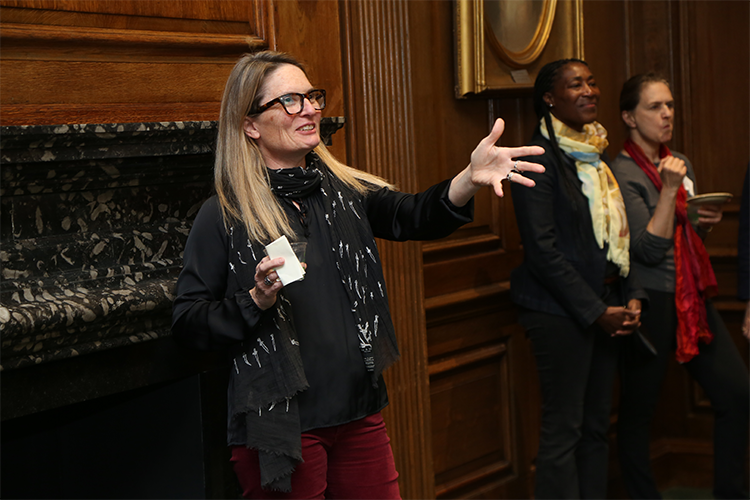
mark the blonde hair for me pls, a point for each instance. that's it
(240, 174)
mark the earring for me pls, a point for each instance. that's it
(550, 105)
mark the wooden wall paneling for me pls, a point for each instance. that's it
(462, 275)
(473, 271)
(520, 120)
(716, 38)
(475, 314)
(447, 130)
(104, 83)
(474, 332)
(682, 463)
(528, 404)
(52, 93)
(518, 113)
(471, 419)
(125, 61)
(653, 44)
(470, 320)
(680, 83)
(311, 31)
(649, 38)
(451, 130)
(605, 32)
(232, 10)
(380, 101)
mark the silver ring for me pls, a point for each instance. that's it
(515, 166)
(510, 175)
(267, 281)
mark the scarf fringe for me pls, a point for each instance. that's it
(283, 480)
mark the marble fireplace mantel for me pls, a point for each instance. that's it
(94, 220)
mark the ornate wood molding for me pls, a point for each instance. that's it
(380, 96)
(124, 61)
(35, 33)
(98, 40)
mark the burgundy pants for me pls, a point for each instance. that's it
(350, 461)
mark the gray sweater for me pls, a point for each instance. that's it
(652, 256)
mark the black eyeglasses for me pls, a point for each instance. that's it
(294, 103)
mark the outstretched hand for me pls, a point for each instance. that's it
(490, 165)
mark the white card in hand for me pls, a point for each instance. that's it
(292, 270)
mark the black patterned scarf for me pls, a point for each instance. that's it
(268, 370)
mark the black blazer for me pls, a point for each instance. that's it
(564, 269)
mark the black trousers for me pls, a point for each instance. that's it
(721, 373)
(577, 368)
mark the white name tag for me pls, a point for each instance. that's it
(292, 270)
(689, 186)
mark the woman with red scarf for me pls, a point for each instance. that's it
(667, 251)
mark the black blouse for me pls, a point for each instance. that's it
(207, 316)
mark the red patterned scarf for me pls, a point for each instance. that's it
(694, 277)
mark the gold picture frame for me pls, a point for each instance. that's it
(500, 45)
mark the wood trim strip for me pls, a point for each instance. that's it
(461, 246)
(685, 116)
(265, 22)
(680, 446)
(467, 358)
(380, 93)
(446, 243)
(729, 305)
(463, 296)
(60, 114)
(444, 489)
(15, 33)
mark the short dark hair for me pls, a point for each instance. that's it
(630, 95)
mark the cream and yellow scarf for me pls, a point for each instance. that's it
(599, 186)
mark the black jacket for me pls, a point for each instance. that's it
(564, 269)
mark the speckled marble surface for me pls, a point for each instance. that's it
(93, 220)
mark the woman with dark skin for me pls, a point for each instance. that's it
(576, 294)
(666, 248)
